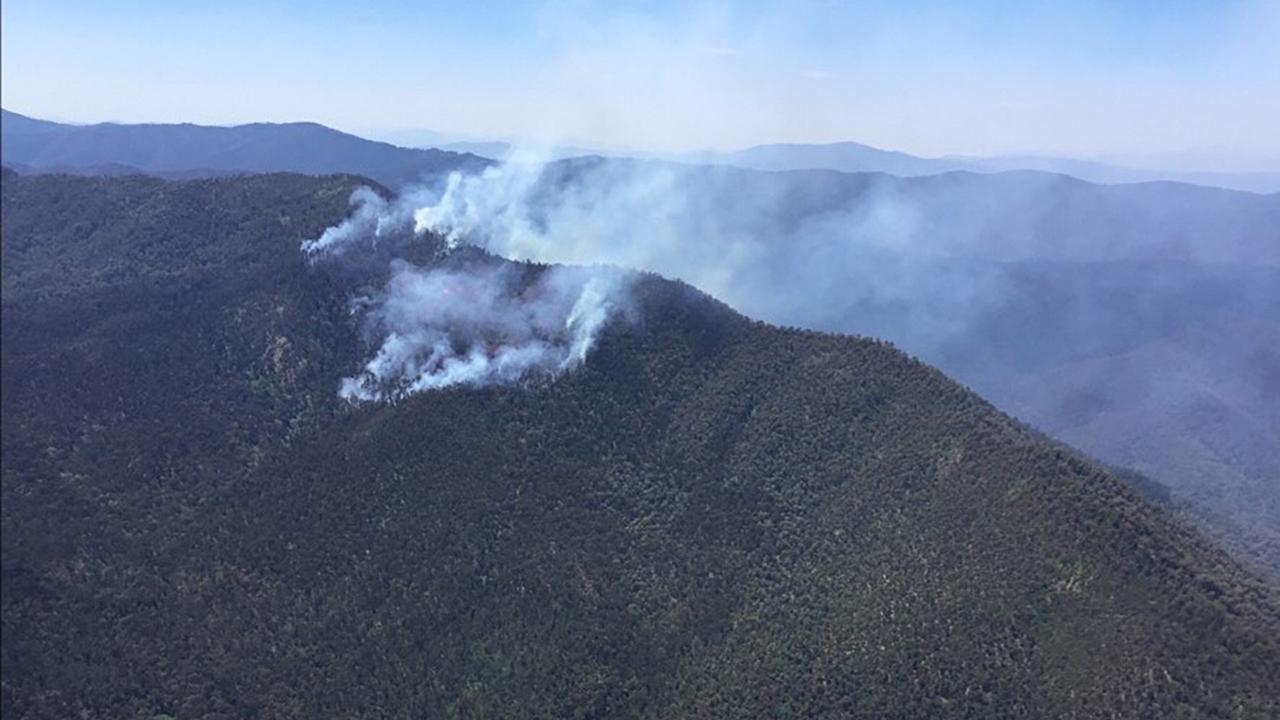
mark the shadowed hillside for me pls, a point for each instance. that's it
(712, 518)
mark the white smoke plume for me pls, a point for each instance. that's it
(372, 219)
(436, 328)
(472, 324)
(941, 266)
(631, 214)
(480, 326)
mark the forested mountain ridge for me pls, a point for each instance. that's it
(713, 517)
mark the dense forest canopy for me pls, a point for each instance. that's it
(1133, 320)
(711, 517)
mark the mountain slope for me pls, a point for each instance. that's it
(712, 518)
(259, 147)
(12, 122)
(1128, 308)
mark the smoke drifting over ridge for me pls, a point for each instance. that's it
(719, 229)
(473, 324)
(949, 266)
(478, 327)
(787, 249)
(1133, 321)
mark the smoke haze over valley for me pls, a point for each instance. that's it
(1132, 321)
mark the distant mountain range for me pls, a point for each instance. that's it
(187, 150)
(855, 158)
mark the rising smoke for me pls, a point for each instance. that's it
(472, 324)
(481, 326)
(718, 229)
(781, 248)
(988, 276)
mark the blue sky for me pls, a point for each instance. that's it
(1187, 82)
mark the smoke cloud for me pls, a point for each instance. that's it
(469, 323)
(480, 326)
(1002, 280)
(797, 249)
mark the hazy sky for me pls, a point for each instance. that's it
(1182, 81)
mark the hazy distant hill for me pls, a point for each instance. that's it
(1007, 216)
(11, 122)
(852, 157)
(713, 518)
(1260, 182)
(843, 156)
(855, 157)
(185, 149)
(502, 150)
